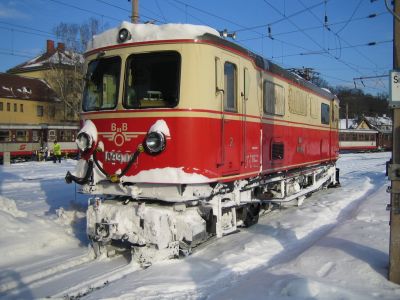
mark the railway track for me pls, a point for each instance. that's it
(58, 279)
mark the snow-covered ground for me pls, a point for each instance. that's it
(335, 246)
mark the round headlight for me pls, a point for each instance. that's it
(83, 141)
(154, 143)
(123, 35)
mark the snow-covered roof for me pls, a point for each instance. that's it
(379, 121)
(64, 58)
(19, 87)
(352, 123)
(150, 32)
(53, 56)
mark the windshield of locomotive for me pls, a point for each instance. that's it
(102, 84)
(152, 80)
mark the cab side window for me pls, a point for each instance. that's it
(230, 82)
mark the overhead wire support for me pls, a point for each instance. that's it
(341, 39)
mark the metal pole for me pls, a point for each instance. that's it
(394, 244)
(135, 11)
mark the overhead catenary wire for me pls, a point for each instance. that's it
(351, 17)
(129, 11)
(85, 10)
(369, 44)
(347, 43)
(370, 16)
(341, 38)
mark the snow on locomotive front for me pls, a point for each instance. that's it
(173, 134)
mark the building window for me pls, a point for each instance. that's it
(52, 111)
(39, 111)
(21, 108)
(230, 87)
(324, 113)
(1, 106)
(8, 107)
(15, 107)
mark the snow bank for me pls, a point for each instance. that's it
(166, 175)
(9, 206)
(335, 246)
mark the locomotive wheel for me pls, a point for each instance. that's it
(251, 214)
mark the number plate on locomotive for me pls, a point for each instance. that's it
(117, 157)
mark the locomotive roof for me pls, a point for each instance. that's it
(269, 66)
(151, 32)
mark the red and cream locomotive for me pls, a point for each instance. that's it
(191, 136)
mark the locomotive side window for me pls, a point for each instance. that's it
(313, 107)
(5, 136)
(35, 136)
(66, 136)
(297, 102)
(274, 98)
(324, 113)
(1, 106)
(102, 83)
(230, 81)
(21, 136)
(51, 135)
(152, 80)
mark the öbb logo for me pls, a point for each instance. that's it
(119, 134)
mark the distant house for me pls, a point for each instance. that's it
(381, 125)
(31, 115)
(62, 70)
(385, 126)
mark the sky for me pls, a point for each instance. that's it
(342, 40)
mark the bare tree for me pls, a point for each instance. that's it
(65, 72)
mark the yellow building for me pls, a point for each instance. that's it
(61, 69)
(28, 101)
(32, 118)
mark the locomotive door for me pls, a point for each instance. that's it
(231, 133)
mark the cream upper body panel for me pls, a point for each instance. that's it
(199, 87)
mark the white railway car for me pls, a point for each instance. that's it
(358, 140)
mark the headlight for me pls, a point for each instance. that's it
(83, 141)
(123, 35)
(154, 143)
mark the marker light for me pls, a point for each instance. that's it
(124, 35)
